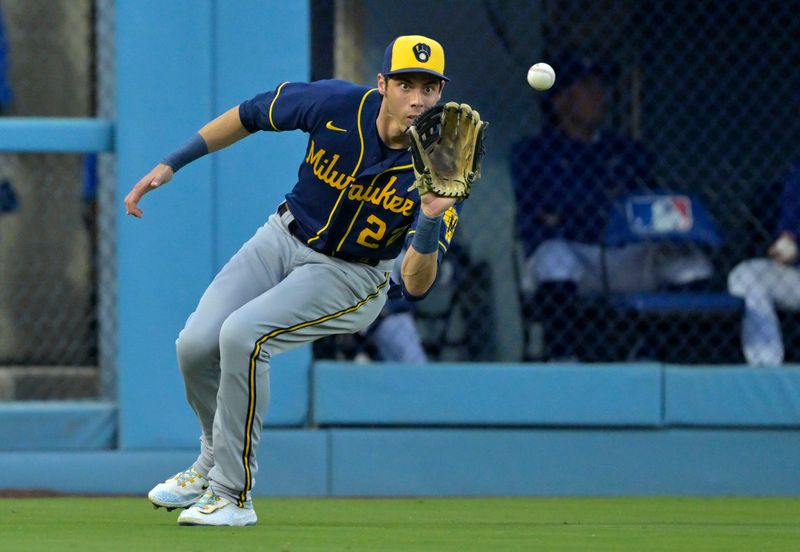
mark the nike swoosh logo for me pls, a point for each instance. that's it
(329, 126)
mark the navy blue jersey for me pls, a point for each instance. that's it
(573, 183)
(351, 197)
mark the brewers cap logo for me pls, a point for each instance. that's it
(413, 54)
(422, 52)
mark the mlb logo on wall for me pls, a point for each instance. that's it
(660, 214)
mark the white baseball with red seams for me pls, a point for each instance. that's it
(541, 76)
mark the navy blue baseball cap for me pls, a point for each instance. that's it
(570, 68)
(414, 54)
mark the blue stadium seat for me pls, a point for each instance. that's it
(681, 219)
(661, 216)
(666, 302)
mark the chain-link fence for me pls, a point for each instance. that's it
(614, 206)
(56, 240)
(612, 210)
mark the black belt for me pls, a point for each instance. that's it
(283, 208)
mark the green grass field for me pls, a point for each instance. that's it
(618, 524)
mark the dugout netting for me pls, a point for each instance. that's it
(710, 89)
(57, 246)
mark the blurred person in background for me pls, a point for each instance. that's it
(566, 178)
(8, 198)
(393, 337)
(5, 85)
(768, 284)
(394, 334)
(89, 191)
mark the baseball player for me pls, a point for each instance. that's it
(358, 199)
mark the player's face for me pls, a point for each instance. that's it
(406, 96)
(584, 102)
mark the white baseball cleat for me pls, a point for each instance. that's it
(180, 491)
(217, 510)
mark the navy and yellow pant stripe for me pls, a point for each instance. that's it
(260, 344)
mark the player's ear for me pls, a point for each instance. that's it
(382, 83)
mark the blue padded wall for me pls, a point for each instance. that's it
(489, 394)
(408, 462)
(431, 462)
(556, 447)
(733, 396)
(292, 463)
(57, 425)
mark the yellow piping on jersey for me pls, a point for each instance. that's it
(272, 103)
(358, 165)
(450, 219)
(349, 228)
(330, 216)
(251, 379)
(360, 131)
(338, 247)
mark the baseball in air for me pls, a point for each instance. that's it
(541, 76)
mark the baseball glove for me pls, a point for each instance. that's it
(447, 149)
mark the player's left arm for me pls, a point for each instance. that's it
(421, 261)
(447, 146)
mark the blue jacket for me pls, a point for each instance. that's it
(5, 85)
(790, 203)
(574, 183)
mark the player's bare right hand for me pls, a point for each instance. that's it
(161, 174)
(434, 205)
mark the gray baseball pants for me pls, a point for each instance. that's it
(274, 294)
